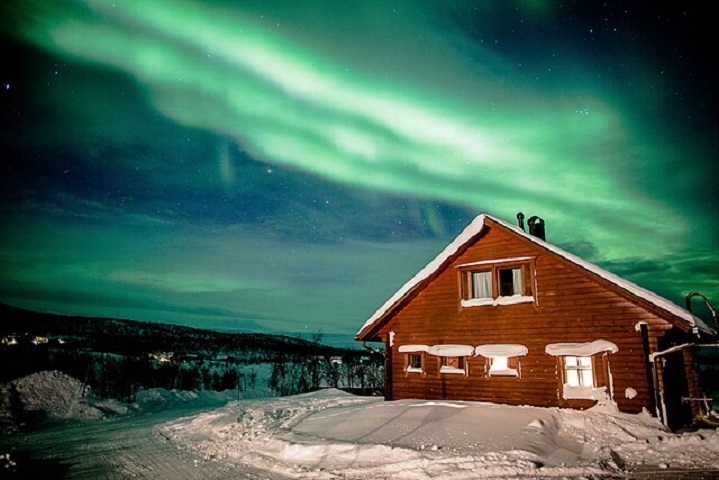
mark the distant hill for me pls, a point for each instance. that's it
(131, 337)
(116, 358)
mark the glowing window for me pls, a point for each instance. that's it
(578, 371)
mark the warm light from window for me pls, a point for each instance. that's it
(578, 371)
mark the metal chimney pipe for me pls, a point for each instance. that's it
(536, 227)
(520, 220)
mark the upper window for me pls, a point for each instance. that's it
(497, 282)
(481, 284)
(511, 282)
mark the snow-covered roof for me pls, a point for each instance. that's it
(476, 226)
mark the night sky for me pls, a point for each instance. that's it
(285, 166)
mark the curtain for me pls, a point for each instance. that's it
(517, 281)
(481, 284)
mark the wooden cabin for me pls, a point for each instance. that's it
(500, 315)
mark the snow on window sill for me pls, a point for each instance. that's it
(506, 372)
(584, 393)
(413, 370)
(446, 369)
(481, 302)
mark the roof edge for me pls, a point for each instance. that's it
(471, 230)
(478, 224)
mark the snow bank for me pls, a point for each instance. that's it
(45, 396)
(55, 396)
(273, 434)
(332, 434)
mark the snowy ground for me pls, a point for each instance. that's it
(331, 434)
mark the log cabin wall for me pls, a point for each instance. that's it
(570, 306)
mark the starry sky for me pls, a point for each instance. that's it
(285, 167)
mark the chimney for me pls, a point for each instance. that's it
(520, 220)
(536, 227)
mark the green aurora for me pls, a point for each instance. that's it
(285, 167)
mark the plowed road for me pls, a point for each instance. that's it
(114, 449)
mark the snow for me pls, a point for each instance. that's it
(581, 349)
(495, 262)
(413, 348)
(582, 392)
(506, 300)
(501, 350)
(451, 350)
(332, 434)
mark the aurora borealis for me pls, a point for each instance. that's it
(285, 166)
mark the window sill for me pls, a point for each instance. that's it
(413, 370)
(570, 392)
(482, 302)
(509, 372)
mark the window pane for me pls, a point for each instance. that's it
(510, 282)
(570, 361)
(481, 284)
(573, 378)
(415, 361)
(585, 361)
(586, 378)
(517, 281)
(499, 363)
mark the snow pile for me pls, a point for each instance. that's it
(55, 396)
(157, 399)
(49, 395)
(641, 439)
(331, 434)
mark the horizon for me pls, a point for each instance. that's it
(275, 167)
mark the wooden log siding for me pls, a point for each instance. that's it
(570, 306)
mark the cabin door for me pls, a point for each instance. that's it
(678, 412)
